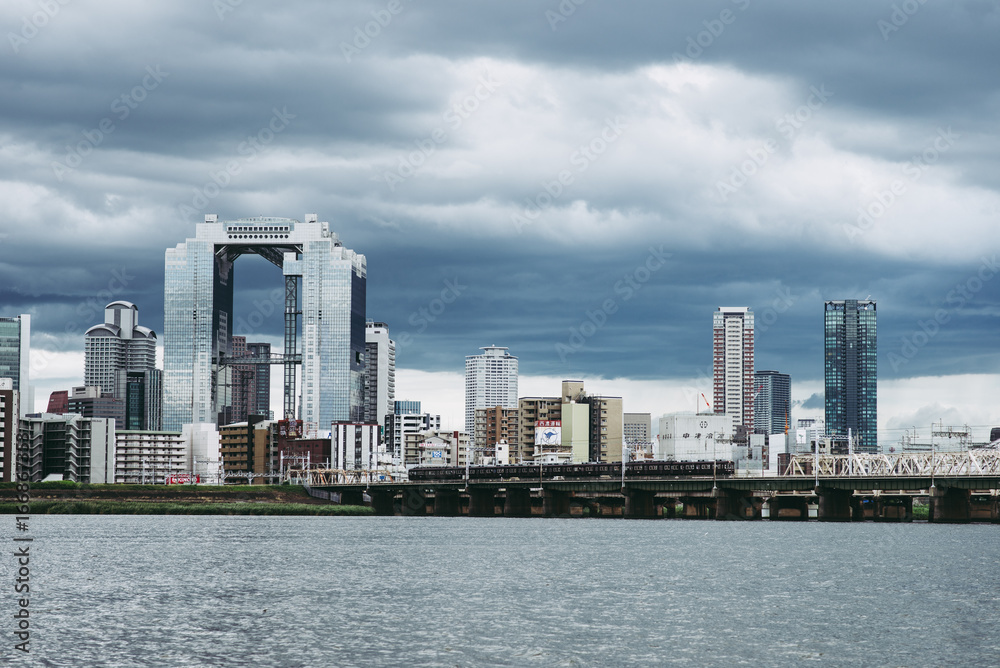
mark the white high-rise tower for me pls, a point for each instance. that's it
(732, 363)
(490, 380)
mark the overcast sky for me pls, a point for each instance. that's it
(583, 183)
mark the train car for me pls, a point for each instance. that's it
(643, 469)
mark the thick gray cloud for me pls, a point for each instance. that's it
(781, 153)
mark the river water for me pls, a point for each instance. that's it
(386, 591)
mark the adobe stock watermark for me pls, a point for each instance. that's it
(122, 106)
(787, 126)
(899, 17)
(913, 170)
(31, 25)
(562, 12)
(424, 316)
(248, 150)
(625, 289)
(409, 164)
(704, 39)
(363, 35)
(580, 159)
(783, 300)
(22, 553)
(956, 299)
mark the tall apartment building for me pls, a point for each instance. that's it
(529, 411)
(9, 413)
(324, 290)
(733, 364)
(606, 428)
(380, 373)
(120, 358)
(70, 446)
(772, 406)
(150, 457)
(490, 380)
(851, 371)
(496, 424)
(243, 447)
(15, 349)
(355, 446)
(406, 418)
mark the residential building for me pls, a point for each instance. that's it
(490, 380)
(531, 410)
(69, 446)
(772, 402)
(145, 457)
(380, 373)
(324, 292)
(606, 428)
(851, 371)
(436, 448)
(244, 450)
(493, 425)
(733, 364)
(355, 446)
(406, 419)
(9, 414)
(15, 349)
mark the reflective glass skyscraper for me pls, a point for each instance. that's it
(15, 346)
(851, 376)
(324, 296)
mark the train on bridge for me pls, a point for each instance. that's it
(641, 469)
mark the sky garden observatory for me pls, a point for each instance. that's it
(324, 305)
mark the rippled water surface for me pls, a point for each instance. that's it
(314, 592)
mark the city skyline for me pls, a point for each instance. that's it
(514, 178)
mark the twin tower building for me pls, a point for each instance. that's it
(321, 309)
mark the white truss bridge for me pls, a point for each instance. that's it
(975, 462)
(321, 477)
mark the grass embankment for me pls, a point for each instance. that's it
(70, 498)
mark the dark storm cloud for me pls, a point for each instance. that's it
(197, 82)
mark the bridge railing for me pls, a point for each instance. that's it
(976, 462)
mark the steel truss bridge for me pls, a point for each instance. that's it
(977, 462)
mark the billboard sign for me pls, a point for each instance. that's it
(548, 432)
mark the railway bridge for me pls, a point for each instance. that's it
(959, 487)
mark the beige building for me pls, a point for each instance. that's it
(436, 448)
(531, 410)
(496, 424)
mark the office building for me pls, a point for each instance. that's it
(772, 404)
(851, 373)
(15, 363)
(733, 364)
(259, 401)
(380, 373)
(70, 447)
(695, 437)
(490, 380)
(323, 296)
(120, 359)
(9, 414)
(91, 402)
(637, 431)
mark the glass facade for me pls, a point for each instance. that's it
(772, 404)
(850, 371)
(198, 317)
(15, 335)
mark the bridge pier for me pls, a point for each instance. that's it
(352, 497)
(555, 503)
(733, 505)
(894, 509)
(857, 509)
(983, 508)
(446, 503)
(639, 504)
(517, 502)
(482, 502)
(950, 505)
(383, 502)
(414, 502)
(698, 507)
(669, 507)
(789, 508)
(834, 504)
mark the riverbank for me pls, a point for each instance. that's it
(69, 498)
